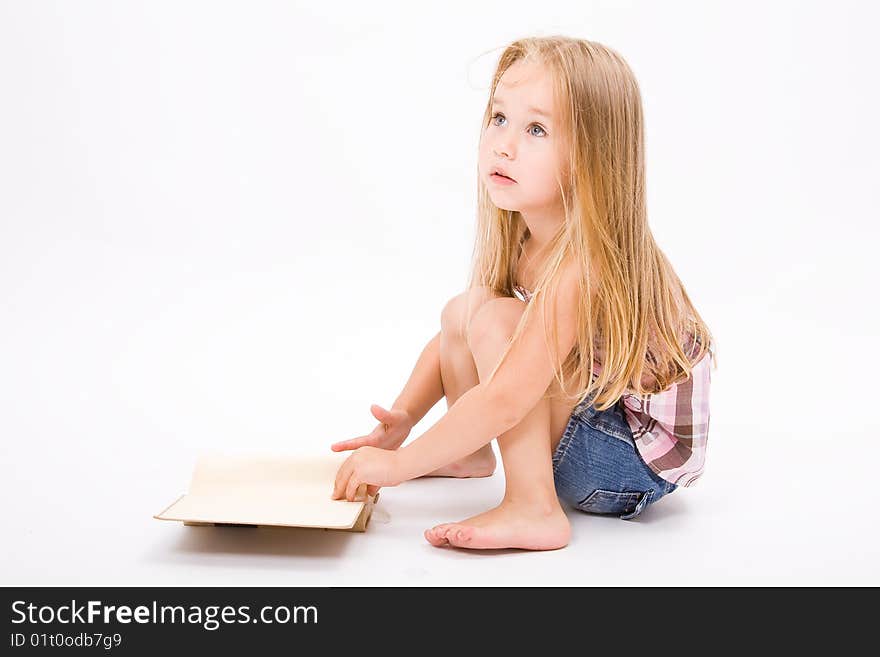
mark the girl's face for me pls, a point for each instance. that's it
(521, 138)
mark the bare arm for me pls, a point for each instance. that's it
(489, 409)
(424, 387)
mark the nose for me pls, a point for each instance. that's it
(502, 150)
(502, 147)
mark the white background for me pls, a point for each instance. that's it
(233, 226)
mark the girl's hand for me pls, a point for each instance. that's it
(394, 426)
(367, 467)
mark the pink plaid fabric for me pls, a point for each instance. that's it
(670, 428)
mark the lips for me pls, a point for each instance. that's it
(500, 172)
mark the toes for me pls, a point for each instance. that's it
(451, 533)
(437, 535)
(441, 530)
(460, 535)
(433, 539)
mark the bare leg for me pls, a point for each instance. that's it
(459, 374)
(529, 516)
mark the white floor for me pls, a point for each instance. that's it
(83, 516)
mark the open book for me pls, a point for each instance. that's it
(280, 490)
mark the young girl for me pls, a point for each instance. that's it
(575, 343)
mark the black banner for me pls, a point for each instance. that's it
(144, 620)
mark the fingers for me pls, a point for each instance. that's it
(355, 491)
(378, 412)
(342, 477)
(354, 443)
(372, 439)
(347, 485)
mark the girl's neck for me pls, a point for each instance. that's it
(542, 225)
(528, 264)
(536, 244)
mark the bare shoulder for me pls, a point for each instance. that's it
(572, 281)
(562, 301)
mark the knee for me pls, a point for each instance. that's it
(495, 320)
(459, 310)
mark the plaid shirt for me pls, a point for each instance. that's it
(670, 428)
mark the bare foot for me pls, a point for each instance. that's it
(479, 464)
(506, 526)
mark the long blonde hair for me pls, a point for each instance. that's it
(636, 310)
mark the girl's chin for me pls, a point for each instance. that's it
(501, 199)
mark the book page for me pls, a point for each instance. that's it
(285, 489)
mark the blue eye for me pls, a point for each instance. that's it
(534, 125)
